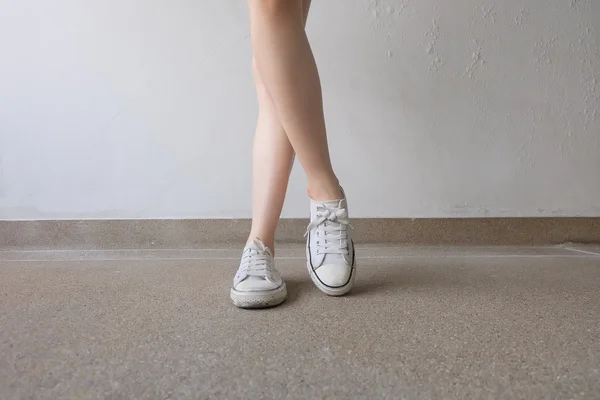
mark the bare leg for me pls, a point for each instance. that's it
(272, 163)
(287, 67)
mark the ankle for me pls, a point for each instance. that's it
(267, 241)
(324, 191)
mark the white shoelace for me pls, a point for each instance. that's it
(256, 263)
(331, 228)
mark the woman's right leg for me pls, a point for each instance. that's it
(257, 283)
(273, 157)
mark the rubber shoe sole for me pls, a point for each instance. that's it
(265, 299)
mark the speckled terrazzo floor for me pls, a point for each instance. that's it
(422, 323)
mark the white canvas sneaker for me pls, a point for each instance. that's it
(257, 284)
(329, 249)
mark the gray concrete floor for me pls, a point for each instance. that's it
(422, 323)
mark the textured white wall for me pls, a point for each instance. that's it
(131, 108)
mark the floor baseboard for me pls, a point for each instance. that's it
(202, 233)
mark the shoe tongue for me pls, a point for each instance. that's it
(329, 203)
(258, 247)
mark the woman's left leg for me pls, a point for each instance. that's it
(286, 64)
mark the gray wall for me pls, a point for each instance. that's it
(132, 108)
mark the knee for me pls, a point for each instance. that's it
(276, 8)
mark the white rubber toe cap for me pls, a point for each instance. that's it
(334, 275)
(252, 284)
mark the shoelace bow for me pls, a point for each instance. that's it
(332, 223)
(255, 263)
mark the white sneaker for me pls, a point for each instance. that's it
(329, 249)
(257, 284)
